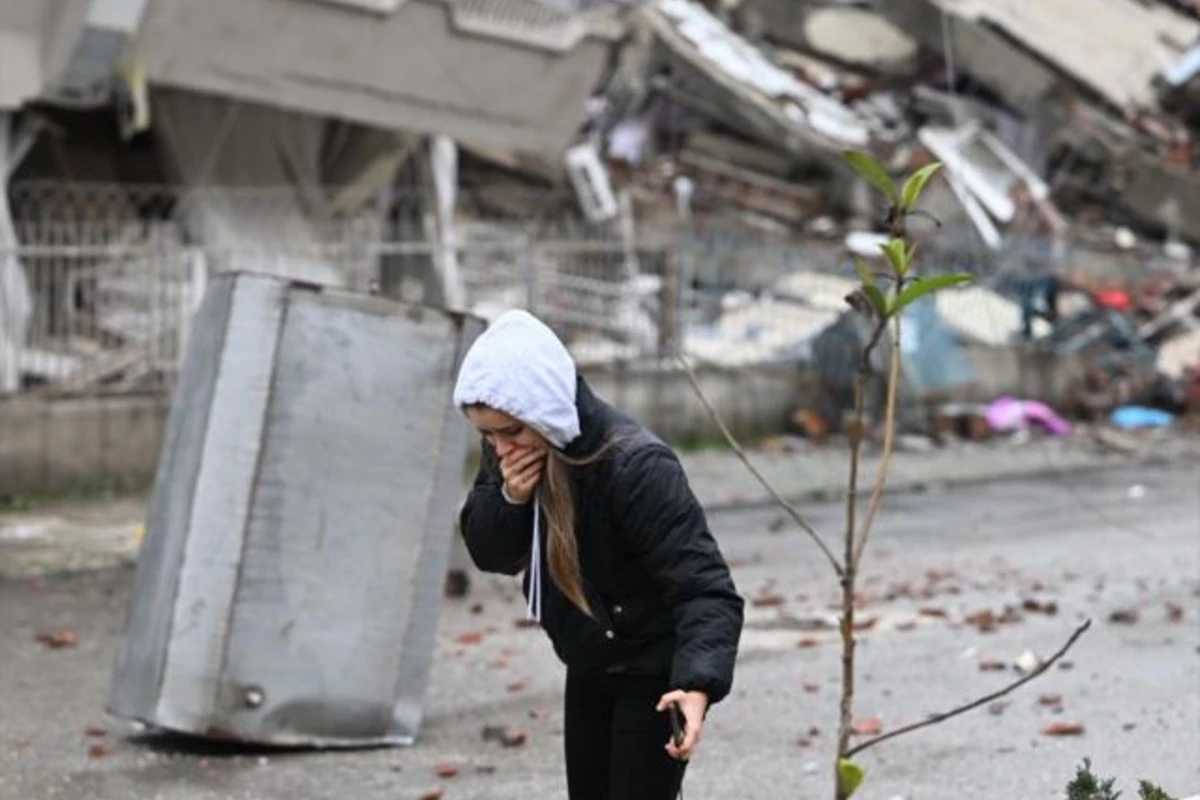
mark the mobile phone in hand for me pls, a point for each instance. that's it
(678, 724)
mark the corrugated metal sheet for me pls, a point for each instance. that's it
(299, 528)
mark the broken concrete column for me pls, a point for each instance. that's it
(16, 302)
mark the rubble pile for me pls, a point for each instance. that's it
(1067, 130)
(702, 205)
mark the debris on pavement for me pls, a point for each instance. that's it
(1063, 729)
(506, 736)
(1035, 606)
(1027, 661)
(867, 727)
(60, 639)
(768, 599)
(1123, 616)
(1051, 701)
(514, 737)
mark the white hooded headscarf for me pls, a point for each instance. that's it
(520, 367)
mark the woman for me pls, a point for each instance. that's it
(620, 567)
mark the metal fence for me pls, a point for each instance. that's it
(115, 272)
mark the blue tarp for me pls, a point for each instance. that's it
(934, 361)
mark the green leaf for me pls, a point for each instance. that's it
(924, 286)
(864, 272)
(869, 289)
(878, 301)
(870, 169)
(915, 185)
(897, 254)
(850, 775)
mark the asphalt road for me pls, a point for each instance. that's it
(1092, 545)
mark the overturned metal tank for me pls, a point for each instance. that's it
(297, 537)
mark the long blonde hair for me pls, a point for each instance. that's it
(562, 552)
(563, 544)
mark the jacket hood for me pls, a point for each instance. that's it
(520, 367)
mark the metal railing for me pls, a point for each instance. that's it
(115, 273)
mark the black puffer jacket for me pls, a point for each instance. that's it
(661, 592)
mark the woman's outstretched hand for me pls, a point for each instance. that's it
(693, 705)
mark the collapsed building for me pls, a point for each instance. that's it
(652, 177)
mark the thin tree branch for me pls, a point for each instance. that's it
(856, 437)
(846, 627)
(889, 441)
(850, 577)
(874, 340)
(741, 454)
(937, 718)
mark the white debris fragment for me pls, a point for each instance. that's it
(1027, 661)
(747, 64)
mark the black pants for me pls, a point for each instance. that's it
(615, 739)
